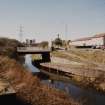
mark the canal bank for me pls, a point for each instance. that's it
(85, 67)
(86, 97)
(87, 82)
(29, 88)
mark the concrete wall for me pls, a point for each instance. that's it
(97, 41)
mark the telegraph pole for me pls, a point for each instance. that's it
(21, 33)
(66, 34)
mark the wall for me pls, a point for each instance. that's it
(91, 42)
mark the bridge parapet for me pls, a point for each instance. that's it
(31, 49)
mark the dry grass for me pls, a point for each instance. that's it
(29, 87)
(89, 58)
(67, 55)
(91, 55)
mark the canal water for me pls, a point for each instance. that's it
(86, 97)
(29, 65)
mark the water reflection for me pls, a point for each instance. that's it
(86, 97)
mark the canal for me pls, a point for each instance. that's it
(86, 97)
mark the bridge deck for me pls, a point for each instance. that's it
(32, 50)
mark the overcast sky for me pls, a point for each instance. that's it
(44, 19)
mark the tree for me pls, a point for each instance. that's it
(58, 41)
(44, 44)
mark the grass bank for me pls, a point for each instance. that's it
(86, 60)
(29, 88)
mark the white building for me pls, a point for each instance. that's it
(96, 40)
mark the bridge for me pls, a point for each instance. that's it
(32, 50)
(35, 50)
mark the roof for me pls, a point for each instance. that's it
(83, 39)
(99, 35)
(89, 38)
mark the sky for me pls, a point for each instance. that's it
(44, 19)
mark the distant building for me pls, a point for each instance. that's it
(30, 42)
(96, 40)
